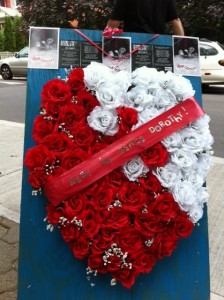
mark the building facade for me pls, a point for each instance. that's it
(8, 3)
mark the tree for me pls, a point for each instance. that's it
(204, 19)
(20, 40)
(91, 14)
(1, 40)
(9, 35)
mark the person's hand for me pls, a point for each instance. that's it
(74, 23)
(108, 32)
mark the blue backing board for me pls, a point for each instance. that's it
(47, 267)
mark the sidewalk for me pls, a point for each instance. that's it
(11, 151)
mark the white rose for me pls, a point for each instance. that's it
(94, 73)
(201, 123)
(191, 139)
(123, 79)
(139, 98)
(164, 98)
(207, 140)
(202, 195)
(184, 194)
(109, 94)
(195, 213)
(183, 159)
(172, 142)
(143, 76)
(103, 120)
(134, 168)
(168, 175)
(205, 162)
(180, 86)
(149, 113)
(194, 176)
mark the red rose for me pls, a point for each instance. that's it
(76, 81)
(126, 276)
(132, 196)
(144, 260)
(38, 157)
(91, 221)
(103, 197)
(98, 146)
(80, 248)
(127, 118)
(75, 205)
(155, 156)
(73, 157)
(101, 244)
(70, 232)
(163, 245)
(87, 101)
(58, 142)
(129, 239)
(41, 128)
(55, 91)
(148, 224)
(54, 214)
(83, 136)
(151, 183)
(37, 179)
(116, 179)
(164, 207)
(182, 227)
(70, 115)
(95, 262)
(116, 219)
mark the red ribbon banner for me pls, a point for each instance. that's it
(121, 151)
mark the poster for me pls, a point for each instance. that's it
(69, 54)
(90, 53)
(186, 56)
(43, 44)
(117, 53)
(142, 57)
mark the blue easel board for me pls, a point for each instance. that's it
(47, 267)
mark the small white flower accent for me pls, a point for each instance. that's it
(103, 120)
(135, 168)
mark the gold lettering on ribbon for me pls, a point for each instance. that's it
(105, 161)
(79, 178)
(131, 144)
(171, 119)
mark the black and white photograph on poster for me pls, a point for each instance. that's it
(118, 53)
(43, 48)
(186, 56)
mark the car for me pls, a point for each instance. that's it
(211, 62)
(15, 65)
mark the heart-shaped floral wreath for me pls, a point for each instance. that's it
(135, 215)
